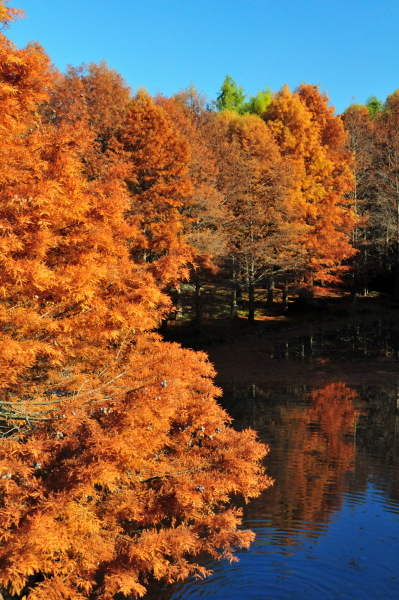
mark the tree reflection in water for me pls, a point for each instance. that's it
(330, 522)
(312, 450)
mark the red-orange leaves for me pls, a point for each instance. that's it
(7, 14)
(98, 96)
(307, 131)
(62, 249)
(157, 162)
(204, 210)
(261, 187)
(116, 462)
(121, 488)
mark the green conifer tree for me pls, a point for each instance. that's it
(374, 106)
(231, 96)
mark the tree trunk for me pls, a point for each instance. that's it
(179, 306)
(353, 294)
(365, 267)
(285, 296)
(309, 278)
(198, 305)
(396, 284)
(198, 314)
(270, 291)
(233, 306)
(251, 294)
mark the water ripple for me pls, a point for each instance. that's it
(329, 527)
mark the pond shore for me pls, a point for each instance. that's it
(244, 353)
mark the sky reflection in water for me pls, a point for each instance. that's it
(329, 527)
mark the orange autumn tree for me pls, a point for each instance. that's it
(157, 160)
(384, 205)
(261, 192)
(116, 462)
(98, 96)
(204, 211)
(360, 129)
(306, 130)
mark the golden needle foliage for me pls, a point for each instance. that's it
(116, 461)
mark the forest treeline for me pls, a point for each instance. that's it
(311, 198)
(274, 190)
(370, 142)
(117, 464)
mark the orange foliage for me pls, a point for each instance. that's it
(62, 246)
(116, 462)
(157, 159)
(8, 15)
(304, 126)
(98, 96)
(117, 489)
(204, 210)
(261, 192)
(359, 128)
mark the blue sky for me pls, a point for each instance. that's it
(349, 47)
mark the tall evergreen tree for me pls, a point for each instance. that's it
(231, 96)
(374, 106)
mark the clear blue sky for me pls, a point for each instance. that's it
(349, 47)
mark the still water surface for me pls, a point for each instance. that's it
(329, 527)
(352, 342)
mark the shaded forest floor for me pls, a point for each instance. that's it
(324, 340)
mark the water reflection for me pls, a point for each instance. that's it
(363, 340)
(312, 449)
(329, 527)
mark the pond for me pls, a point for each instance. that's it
(329, 527)
(363, 340)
